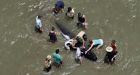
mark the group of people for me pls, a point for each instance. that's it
(80, 43)
(84, 49)
(59, 6)
(57, 61)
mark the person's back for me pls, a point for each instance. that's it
(57, 58)
(80, 34)
(98, 42)
(59, 4)
(79, 42)
(52, 35)
(81, 38)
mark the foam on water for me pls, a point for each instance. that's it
(13, 42)
(66, 73)
(20, 14)
(21, 3)
(48, 73)
(73, 66)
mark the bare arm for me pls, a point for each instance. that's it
(113, 57)
(57, 33)
(98, 47)
(41, 28)
(83, 43)
(89, 48)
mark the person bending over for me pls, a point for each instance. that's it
(81, 39)
(95, 43)
(59, 6)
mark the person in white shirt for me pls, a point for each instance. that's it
(70, 12)
(38, 26)
(78, 56)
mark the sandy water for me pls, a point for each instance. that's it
(22, 50)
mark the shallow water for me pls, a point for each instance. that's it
(22, 50)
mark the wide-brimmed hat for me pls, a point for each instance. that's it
(49, 57)
(109, 49)
(84, 16)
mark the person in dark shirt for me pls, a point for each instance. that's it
(110, 55)
(52, 35)
(70, 12)
(82, 21)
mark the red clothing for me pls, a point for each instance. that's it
(114, 47)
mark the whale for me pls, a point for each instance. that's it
(68, 35)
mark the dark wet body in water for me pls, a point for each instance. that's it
(109, 57)
(90, 55)
(65, 30)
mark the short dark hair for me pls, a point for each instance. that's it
(85, 37)
(79, 14)
(39, 16)
(57, 51)
(113, 41)
(53, 28)
(69, 9)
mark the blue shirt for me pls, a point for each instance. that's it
(98, 42)
(59, 4)
(38, 23)
(57, 58)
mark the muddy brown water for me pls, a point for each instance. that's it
(22, 50)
